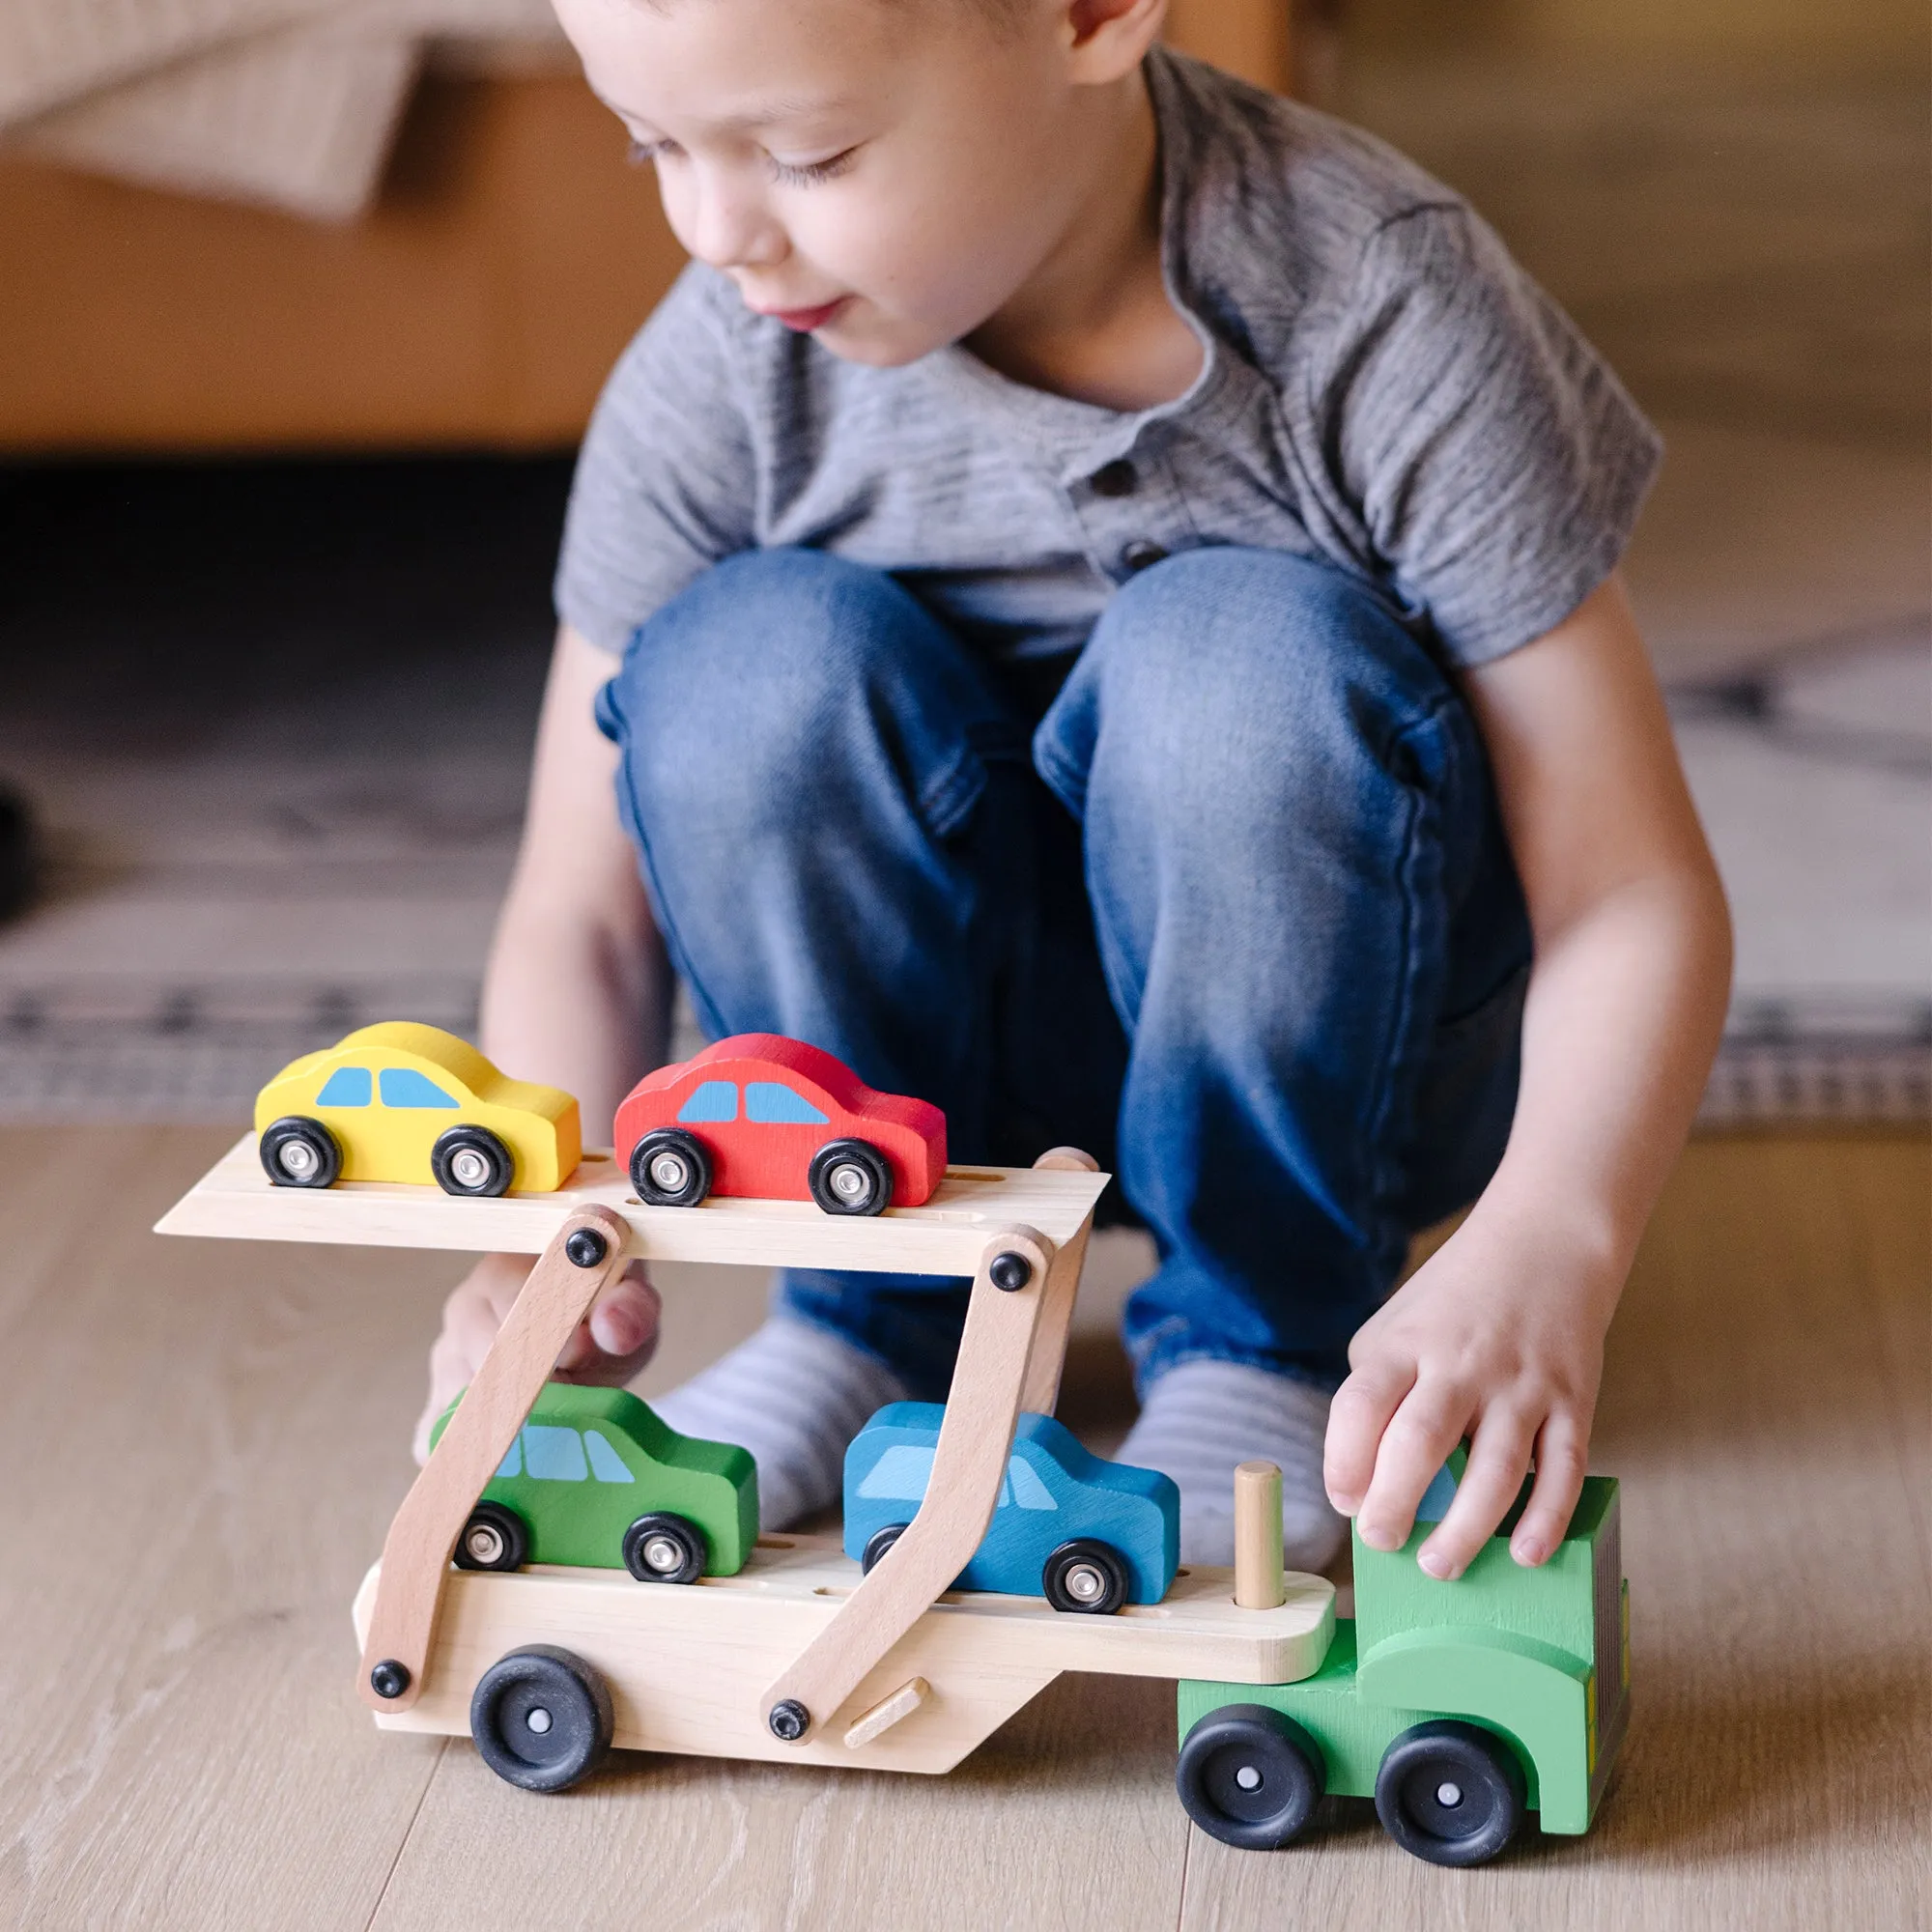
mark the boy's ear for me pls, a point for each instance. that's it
(1106, 39)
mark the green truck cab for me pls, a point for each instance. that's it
(1458, 1707)
(596, 1480)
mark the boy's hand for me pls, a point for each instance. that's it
(611, 1345)
(1495, 1339)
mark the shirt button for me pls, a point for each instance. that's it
(1117, 478)
(1141, 555)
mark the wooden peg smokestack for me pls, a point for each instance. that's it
(1258, 1573)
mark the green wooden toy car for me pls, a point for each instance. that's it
(595, 1480)
(1457, 1706)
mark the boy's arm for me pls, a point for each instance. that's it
(1498, 1337)
(576, 994)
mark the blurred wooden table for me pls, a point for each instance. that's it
(203, 1442)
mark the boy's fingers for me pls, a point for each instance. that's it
(1356, 1418)
(624, 1317)
(1420, 1434)
(1562, 1459)
(1497, 1459)
(618, 1337)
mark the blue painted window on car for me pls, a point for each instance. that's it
(775, 1105)
(1028, 1489)
(512, 1464)
(713, 1100)
(554, 1455)
(345, 1086)
(404, 1086)
(1436, 1497)
(899, 1476)
(606, 1465)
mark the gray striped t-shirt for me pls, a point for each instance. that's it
(1382, 386)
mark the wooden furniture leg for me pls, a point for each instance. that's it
(587, 1250)
(968, 1465)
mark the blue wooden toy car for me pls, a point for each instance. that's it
(1085, 1534)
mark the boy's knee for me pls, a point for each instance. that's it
(1244, 693)
(748, 692)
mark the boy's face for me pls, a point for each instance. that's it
(884, 173)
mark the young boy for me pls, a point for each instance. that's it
(1095, 599)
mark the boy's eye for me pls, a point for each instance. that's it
(643, 153)
(803, 174)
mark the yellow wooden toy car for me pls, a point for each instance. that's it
(405, 1102)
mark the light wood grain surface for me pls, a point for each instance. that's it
(204, 1442)
(945, 1236)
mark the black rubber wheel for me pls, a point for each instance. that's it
(850, 1177)
(1085, 1575)
(669, 1168)
(495, 1538)
(1250, 1775)
(1451, 1793)
(664, 1548)
(471, 1161)
(299, 1152)
(878, 1542)
(541, 1718)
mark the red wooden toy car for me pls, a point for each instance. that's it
(773, 1117)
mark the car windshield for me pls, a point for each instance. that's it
(345, 1086)
(775, 1104)
(900, 1476)
(404, 1086)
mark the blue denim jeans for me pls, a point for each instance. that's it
(1227, 903)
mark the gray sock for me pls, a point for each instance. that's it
(1203, 1418)
(794, 1395)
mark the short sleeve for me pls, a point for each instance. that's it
(1496, 463)
(666, 481)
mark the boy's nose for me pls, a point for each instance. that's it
(734, 231)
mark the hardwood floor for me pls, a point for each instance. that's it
(201, 1443)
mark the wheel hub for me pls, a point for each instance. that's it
(484, 1543)
(297, 1159)
(1248, 1777)
(662, 1555)
(851, 1181)
(1085, 1584)
(538, 1719)
(1448, 1794)
(470, 1168)
(668, 1171)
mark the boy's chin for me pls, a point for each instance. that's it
(879, 342)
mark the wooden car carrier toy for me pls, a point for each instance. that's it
(1459, 1706)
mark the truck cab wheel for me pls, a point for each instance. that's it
(541, 1718)
(299, 1152)
(493, 1538)
(1450, 1792)
(1250, 1775)
(1086, 1577)
(664, 1549)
